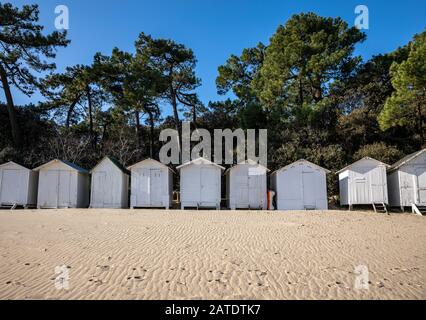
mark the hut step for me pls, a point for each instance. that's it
(380, 207)
(418, 209)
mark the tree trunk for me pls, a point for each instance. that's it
(89, 102)
(70, 111)
(138, 126)
(421, 133)
(176, 115)
(300, 93)
(194, 115)
(16, 130)
(151, 138)
(317, 89)
(175, 110)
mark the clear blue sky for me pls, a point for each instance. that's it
(214, 29)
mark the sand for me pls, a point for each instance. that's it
(158, 254)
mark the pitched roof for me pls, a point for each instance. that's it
(248, 161)
(115, 162)
(198, 161)
(300, 161)
(406, 159)
(69, 164)
(365, 158)
(17, 164)
(149, 160)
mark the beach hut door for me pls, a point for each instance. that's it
(143, 185)
(242, 190)
(377, 187)
(308, 181)
(51, 188)
(64, 189)
(156, 187)
(254, 188)
(9, 186)
(99, 192)
(360, 190)
(421, 185)
(208, 182)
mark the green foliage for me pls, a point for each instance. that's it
(407, 105)
(239, 72)
(379, 151)
(305, 58)
(24, 50)
(315, 97)
(24, 47)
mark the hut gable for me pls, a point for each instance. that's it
(415, 158)
(199, 161)
(362, 163)
(152, 163)
(116, 164)
(13, 165)
(62, 165)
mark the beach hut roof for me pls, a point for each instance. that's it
(17, 164)
(248, 161)
(301, 161)
(199, 161)
(115, 162)
(406, 159)
(365, 158)
(149, 160)
(69, 164)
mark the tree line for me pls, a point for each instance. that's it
(318, 100)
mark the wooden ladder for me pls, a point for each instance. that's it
(380, 207)
(418, 209)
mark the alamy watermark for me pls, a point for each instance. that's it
(62, 20)
(362, 18)
(362, 281)
(62, 278)
(176, 152)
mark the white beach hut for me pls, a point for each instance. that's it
(200, 184)
(364, 182)
(63, 185)
(18, 185)
(407, 182)
(151, 184)
(110, 184)
(301, 185)
(246, 186)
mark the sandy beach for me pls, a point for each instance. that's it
(158, 254)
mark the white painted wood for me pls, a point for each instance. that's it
(200, 184)
(247, 186)
(407, 181)
(421, 185)
(62, 185)
(18, 185)
(151, 184)
(109, 187)
(299, 186)
(363, 182)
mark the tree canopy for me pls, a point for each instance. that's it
(316, 97)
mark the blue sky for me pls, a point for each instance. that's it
(214, 29)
